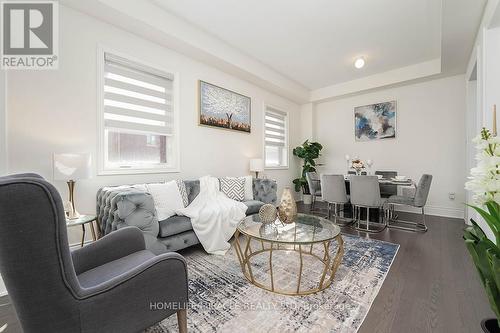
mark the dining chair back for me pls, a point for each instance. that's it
(418, 201)
(314, 184)
(333, 189)
(386, 190)
(423, 188)
(334, 193)
(365, 191)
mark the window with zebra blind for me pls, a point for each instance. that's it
(275, 138)
(138, 119)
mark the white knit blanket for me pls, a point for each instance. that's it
(214, 216)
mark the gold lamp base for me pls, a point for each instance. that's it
(72, 214)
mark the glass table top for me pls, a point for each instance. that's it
(83, 219)
(306, 229)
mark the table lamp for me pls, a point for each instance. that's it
(70, 168)
(256, 165)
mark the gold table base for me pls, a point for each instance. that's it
(330, 264)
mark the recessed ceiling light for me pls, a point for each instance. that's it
(359, 63)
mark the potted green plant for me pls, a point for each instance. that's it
(485, 184)
(309, 151)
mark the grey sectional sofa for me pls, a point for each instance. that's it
(131, 205)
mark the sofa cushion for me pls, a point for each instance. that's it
(175, 225)
(113, 268)
(253, 206)
(179, 241)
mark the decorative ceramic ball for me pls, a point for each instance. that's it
(268, 213)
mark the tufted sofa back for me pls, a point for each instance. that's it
(131, 205)
(263, 190)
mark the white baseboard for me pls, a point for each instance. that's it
(436, 210)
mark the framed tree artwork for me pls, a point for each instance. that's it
(223, 108)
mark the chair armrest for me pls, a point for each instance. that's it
(113, 246)
(165, 267)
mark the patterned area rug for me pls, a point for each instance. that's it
(222, 300)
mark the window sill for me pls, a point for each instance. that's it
(276, 168)
(137, 171)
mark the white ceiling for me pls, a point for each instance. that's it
(305, 49)
(316, 42)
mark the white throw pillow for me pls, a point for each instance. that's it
(248, 186)
(167, 199)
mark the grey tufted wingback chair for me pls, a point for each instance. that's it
(110, 285)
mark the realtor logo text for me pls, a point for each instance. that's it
(29, 35)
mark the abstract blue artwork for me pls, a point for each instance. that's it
(375, 121)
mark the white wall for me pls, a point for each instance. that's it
(55, 111)
(492, 74)
(484, 61)
(472, 131)
(430, 137)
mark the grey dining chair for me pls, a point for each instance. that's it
(418, 201)
(314, 184)
(111, 285)
(365, 193)
(386, 190)
(333, 190)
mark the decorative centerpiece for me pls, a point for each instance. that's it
(357, 165)
(287, 210)
(268, 214)
(485, 252)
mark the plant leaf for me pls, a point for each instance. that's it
(493, 223)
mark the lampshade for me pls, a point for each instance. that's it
(72, 166)
(256, 165)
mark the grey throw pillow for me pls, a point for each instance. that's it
(234, 188)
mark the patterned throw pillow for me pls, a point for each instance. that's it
(234, 188)
(183, 192)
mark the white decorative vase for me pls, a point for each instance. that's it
(307, 198)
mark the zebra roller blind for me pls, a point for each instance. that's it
(275, 127)
(136, 97)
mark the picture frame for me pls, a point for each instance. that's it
(375, 121)
(223, 108)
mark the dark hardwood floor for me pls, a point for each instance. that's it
(432, 285)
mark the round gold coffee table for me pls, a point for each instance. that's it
(308, 237)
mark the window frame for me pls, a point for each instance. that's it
(173, 151)
(287, 139)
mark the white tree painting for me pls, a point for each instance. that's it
(220, 107)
